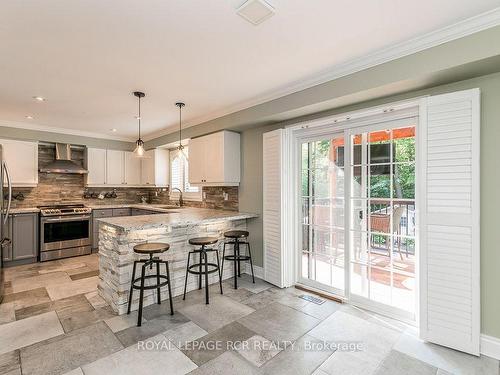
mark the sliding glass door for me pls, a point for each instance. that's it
(382, 218)
(322, 258)
(358, 218)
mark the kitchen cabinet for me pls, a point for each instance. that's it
(214, 159)
(23, 231)
(121, 168)
(132, 169)
(155, 168)
(96, 165)
(115, 167)
(22, 160)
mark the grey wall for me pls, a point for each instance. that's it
(251, 184)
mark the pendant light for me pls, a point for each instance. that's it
(180, 147)
(139, 149)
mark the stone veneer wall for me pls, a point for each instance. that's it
(116, 259)
(58, 188)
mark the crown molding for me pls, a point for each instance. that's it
(435, 38)
(52, 129)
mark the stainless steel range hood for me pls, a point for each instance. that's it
(63, 162)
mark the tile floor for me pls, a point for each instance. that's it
(53, 321)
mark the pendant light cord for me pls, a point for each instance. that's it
(139, 117)
(180, 126)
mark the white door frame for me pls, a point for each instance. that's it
(322, 128)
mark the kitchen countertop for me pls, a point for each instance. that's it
(25, 210)
(143, 206)
(174, 218)
(151, 207)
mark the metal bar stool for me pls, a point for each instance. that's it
(138, 283)
(237, 238)
(203, 265)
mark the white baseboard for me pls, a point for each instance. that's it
(490, 346)
(258, 271)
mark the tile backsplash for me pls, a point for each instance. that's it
(54, 188)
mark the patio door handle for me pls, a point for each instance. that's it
(361, 214)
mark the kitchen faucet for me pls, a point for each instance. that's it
(181, 202)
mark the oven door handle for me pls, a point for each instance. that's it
(65, 219)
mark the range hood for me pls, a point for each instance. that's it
(63, 162)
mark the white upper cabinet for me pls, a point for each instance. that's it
(22, 160)
(132, 169)
(214, 160)
(122, 168)
(155, 168)
(115, 167)
(96, 165)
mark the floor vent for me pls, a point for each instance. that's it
(316, 300)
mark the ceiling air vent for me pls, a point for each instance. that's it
(256, 11)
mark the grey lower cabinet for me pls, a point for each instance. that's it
(23, 231)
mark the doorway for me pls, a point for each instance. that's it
(358, 216)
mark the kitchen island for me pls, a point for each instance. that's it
(119, 235)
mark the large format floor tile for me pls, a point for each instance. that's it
(71, 288)
(27, 298)
(303, 357)
(10, 363)
(7, 312)
(154, 358)
(214, 344)
(221, 311)
(132, 335)
(65, 308)
(67, 352)
(343, 328)
(86, 318)
(449, 360)
(398, 363)
(258, 350)
(185, 333)
(278, 322)
(40, 281)
(228, 363)
(28, 331)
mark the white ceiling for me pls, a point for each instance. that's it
(87, 56)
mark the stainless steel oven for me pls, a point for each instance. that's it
(65, 231)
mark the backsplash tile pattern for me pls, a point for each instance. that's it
(55, 188)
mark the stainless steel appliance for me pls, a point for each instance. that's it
(65, 231)
(5, 201)
(63, 162)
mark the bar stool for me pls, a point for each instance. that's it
(138, 283)
(237, 238)
(203, 265)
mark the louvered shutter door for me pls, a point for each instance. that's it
(272, 209)
(449, 220)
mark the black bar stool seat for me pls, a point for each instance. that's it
(203, 241)
(150, 249)
(236, 238)
(203, 267)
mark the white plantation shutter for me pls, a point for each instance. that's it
(273, 218)
(449, 226)
(176, 173)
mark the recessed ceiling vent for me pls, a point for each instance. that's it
(256, 11)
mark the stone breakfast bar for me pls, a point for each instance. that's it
(119, 235)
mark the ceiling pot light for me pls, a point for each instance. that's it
(139, 144)
(29, 117)
(180, 147)
(39, 98)
(113, 130)
(256, 11)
